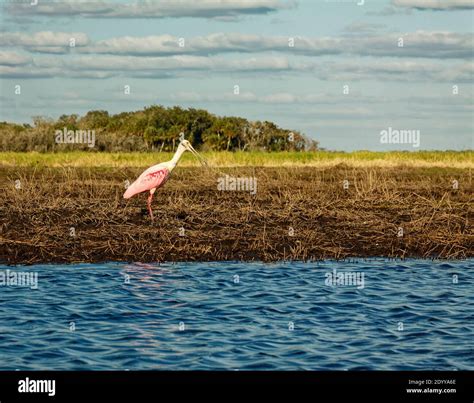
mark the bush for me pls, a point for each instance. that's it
(155, 127)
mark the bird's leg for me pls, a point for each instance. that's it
(150, 197)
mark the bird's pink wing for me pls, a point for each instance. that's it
(151, 178)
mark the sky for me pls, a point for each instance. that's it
(340, 71)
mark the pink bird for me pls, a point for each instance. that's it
(157, 175)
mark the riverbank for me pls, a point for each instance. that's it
(297, 213)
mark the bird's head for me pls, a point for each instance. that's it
(187, 146)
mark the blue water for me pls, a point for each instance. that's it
(410, 315)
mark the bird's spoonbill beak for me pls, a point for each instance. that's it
(201, 159)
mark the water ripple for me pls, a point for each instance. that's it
(410, 315)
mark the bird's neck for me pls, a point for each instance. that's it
(177, 155)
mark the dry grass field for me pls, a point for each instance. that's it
(77, 214)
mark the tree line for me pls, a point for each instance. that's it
(154, 128)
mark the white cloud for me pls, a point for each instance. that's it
(425, 44)
(398, 70)
(212, 44)
(44, 41)
(13, 59)
(435, 4)
(220, 9)
(172, 63)
(104, 66)
(416, 44)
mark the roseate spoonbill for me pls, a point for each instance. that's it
(157, 175)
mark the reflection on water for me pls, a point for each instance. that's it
(283, 316)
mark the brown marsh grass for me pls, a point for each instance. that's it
(298, 213)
